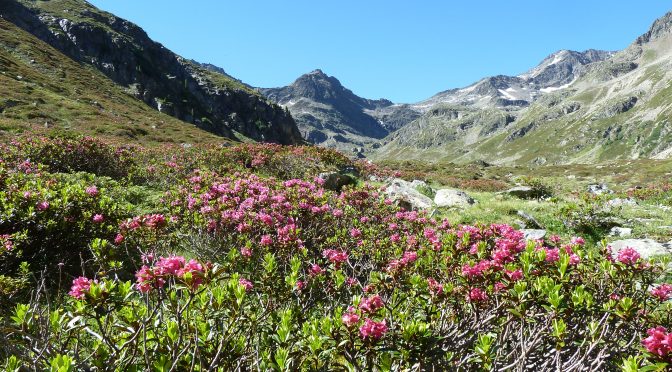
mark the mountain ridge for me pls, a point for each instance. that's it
(171, 84)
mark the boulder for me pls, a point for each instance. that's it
(449, 198)
(417, 183)
(645, 247)
(335, 181)
(523, 192)
(599, 189)
(618, 202)
(620, 231)
(406, 196)
(529, 220)
(533, 234)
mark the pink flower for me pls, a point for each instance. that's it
(246, 284)
(335, 256)
(371, 304)
(659, 342)
(146, 279)
(300, 284)
(574, 259)
(355, 233)
(552, 254)
(477, 295)
(409, 256)
(43, 205)
(98, 218)
(80, 287)
(266, 240)
(663, 292)
(499, 286)
(578, 240)
(350, 318)
(628, 256)
(315, 269)
(6, 241)
(118, 239)
(372, 330)
(169, 265)
(514, 275)
(92, 191)
(246, 252)
(435, 288)
(337, 213)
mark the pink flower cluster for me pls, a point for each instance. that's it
(150, 221)
(396, 265)
(371, 304)
(166, 268)
(373, 330)
(6, 242)
(662, 292)
(628, 256)
(335, 256)
(477, 295)
(435, 288)
(92, 191)
(246, 284)
(80, 287)
(659, 343)
(350, 318)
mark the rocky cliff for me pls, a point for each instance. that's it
(150, 72)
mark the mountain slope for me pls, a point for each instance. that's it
(329, 114)
(150, 72)
(553, 73)
(43, 89)
(616, 108)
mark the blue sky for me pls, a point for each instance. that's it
(405, 51)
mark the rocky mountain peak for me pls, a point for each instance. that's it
(660, 27)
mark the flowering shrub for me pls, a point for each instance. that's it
(238, 271)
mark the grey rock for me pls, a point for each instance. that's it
(335, 181)
(523, 192)
(529, 220)
(599, 189)
(647, 248)
(407, 197)
(449, 198)
(417, 183)
(620, 231)
(618, 202)
(533, 234)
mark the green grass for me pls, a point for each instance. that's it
(54, 93)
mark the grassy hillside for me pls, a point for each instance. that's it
(40, 88)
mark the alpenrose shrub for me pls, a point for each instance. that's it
(289, 276)
(50, 219)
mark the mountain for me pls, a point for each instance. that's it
(44, 90)
(585, 107)
(554, 72)
(329, 114)
(145, 69)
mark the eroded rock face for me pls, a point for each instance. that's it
(406, 196)
(160, 78)
(449, 198)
